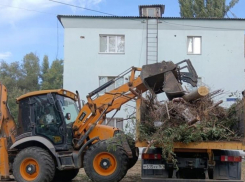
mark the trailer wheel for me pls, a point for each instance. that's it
(135, 152)
(33, 164)
(65, 175)
(103, 165)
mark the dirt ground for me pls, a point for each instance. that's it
(243, 171)
(133, 174)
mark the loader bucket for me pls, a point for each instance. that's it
(167, 77)
(155, 76)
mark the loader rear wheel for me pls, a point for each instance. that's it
(103, 165)
(33, 164)
(65, 175)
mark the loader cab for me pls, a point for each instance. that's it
(50, 115)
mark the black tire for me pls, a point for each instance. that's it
(92, 157)
(135, 152)
(65, 176)
(43, 160)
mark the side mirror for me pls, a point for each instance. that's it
(68, 116)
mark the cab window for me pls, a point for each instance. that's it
(47, 119)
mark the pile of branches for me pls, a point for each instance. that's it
(163, 123)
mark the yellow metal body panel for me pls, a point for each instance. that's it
(41, 92)
(4, 161)
(224, 145)
(104, 132)
(228, 145)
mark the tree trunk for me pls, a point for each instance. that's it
(196, 94)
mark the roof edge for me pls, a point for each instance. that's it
(43, 92)
(59, 18)
(139, 17)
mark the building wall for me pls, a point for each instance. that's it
(220, 65)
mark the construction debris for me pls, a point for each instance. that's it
(196, 94)
(194, 117)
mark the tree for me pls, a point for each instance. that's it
(13, 93)
(27, 75)
(31, 72)
(45, 66)
(53, 78)
(10, 76)
(205, 8)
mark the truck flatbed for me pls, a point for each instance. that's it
(184, 180)
(214, 145)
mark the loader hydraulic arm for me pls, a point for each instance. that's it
(7, 133)
(95, 110)
(7, 124)
(158, 77)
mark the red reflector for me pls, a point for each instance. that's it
(230, 158)
(151, 156)
(224, 158)
(238, 159)
(145, 156)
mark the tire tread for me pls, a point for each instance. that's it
(46, 173)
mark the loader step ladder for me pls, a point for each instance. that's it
(151, 41)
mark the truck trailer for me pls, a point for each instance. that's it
(199, 161)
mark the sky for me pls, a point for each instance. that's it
(32, 25)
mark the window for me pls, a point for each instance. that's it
(244, 45)
(112, 43)
(68, 106)
(151, 12)
(104, 79)
(194, 45)
(114, 122)
(48, 121)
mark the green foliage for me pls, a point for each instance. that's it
(30, 72)
(10, 74)
(53, 77)
(27, 75)
(13, 93)
(205, 8)
(45, 67)
(214, 126)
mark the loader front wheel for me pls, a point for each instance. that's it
(33, 164)
(105, 161)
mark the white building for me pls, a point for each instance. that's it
(98, 48)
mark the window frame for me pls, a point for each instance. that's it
(187, 44)
(115, 121)
(113, 77)
(107, 42)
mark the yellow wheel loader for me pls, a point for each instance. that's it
(55, 136)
